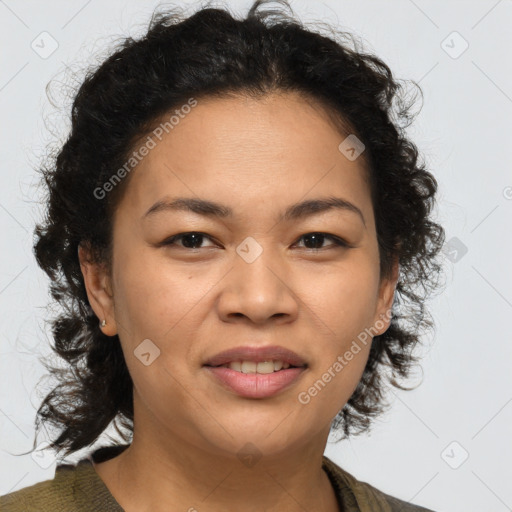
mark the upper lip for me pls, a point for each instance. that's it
(256, 354)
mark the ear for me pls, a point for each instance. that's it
(99, 289)
(387, 289)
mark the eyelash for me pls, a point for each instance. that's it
(338, 242)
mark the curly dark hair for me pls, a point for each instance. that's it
(208, 54)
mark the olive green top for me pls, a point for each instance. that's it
(78, 488)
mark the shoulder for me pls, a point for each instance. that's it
(74, 488)
(55, 495)
(362, 496)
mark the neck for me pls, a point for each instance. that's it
(181, 476)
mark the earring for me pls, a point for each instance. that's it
(103, 323)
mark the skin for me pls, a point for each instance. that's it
(257, 157)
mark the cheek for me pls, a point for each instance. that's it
(158, 301)
(152, 295)
(154, 302)
(343, 305)
(344, 299)
(334, 380)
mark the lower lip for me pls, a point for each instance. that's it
(256, 385)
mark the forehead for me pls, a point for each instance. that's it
(241, 149)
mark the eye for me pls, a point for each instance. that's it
(193, 239)
(189, 239)
(316, 239)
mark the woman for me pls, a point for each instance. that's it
(236, 226)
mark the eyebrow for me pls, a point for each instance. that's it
(293, 212)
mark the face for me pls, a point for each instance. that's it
(252, 278)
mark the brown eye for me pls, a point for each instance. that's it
(190, 240)
(317, 239)
(313, 241)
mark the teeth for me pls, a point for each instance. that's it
(249, 367)
(235, 365)
(252, 367)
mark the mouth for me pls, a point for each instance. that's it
(256, 372)
(259, 359)
(262, 367)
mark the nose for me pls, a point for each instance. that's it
(260, 291)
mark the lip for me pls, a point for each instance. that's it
(256, 354)
(255, 385)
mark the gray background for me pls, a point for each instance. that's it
(444, 445)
